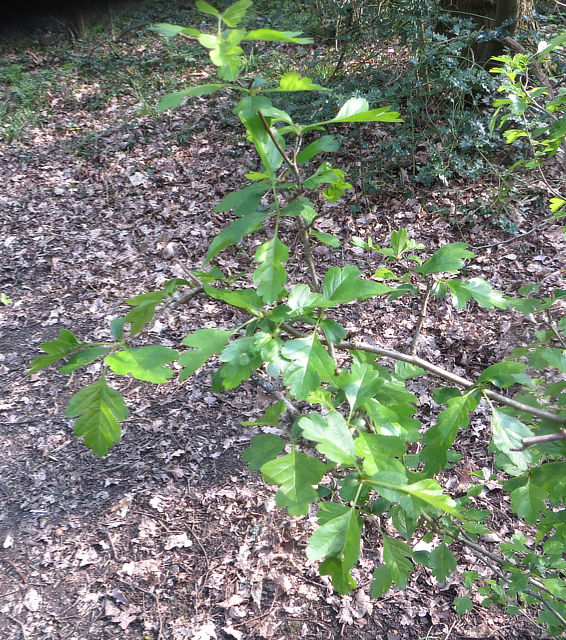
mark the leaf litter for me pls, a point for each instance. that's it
(170, 536)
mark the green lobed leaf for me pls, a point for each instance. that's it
(395, 419)
(380, 453)
(359, 385)
(528, 502)
(548, 357)
(65, 343)
(143, 363)
(175, 99)
(505, 374)
(271, 274)
(443, 562)
(382, 581)
(83, 357)
(234, 233)
(449, 258)
(333, 331)
(310, 364)
(205, 343)
(463, 605)
(337, 539)
(296, 473)
(144, 309)
(332, 435)
(263, 448)
(508, 434)
(396, 554)
(98, 408)
(302, 300)
(344, 285)
(479, 290)
(240, 357)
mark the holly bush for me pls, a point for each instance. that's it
(343, 435)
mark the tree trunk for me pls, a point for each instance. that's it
(489, 15)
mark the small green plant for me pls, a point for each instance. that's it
(535, 112)
(22, 96)
(356, 450)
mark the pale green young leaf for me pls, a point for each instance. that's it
(508, 434)
(205, 7)
(359, 385)
(271, 35)
(332, 435)
(344, 285)
(456, 416)
(65, 343)
(310, 364)
(296, 473)
(443, 562)
(325, 174)
(506, 374)
(205, 343)
(244, 201)
(175, 99)
(235, 13)
(292, 81)
(83, 357)
(326, 144)
(243, 298)
(449, 258)
(98, 408)
(528, 502)
(144, 363)
(263, 448)
(271, 274)
(234, 233)
(357, 110)
(396, 554)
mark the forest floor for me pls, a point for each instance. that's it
(170, 536)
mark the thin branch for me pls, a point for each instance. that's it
(549, 437)
(275, 393)
(554, 328)
(514, 238)
(282, 151)
(422, 316)
(437, 371)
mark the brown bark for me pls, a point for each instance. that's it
(490, 14)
